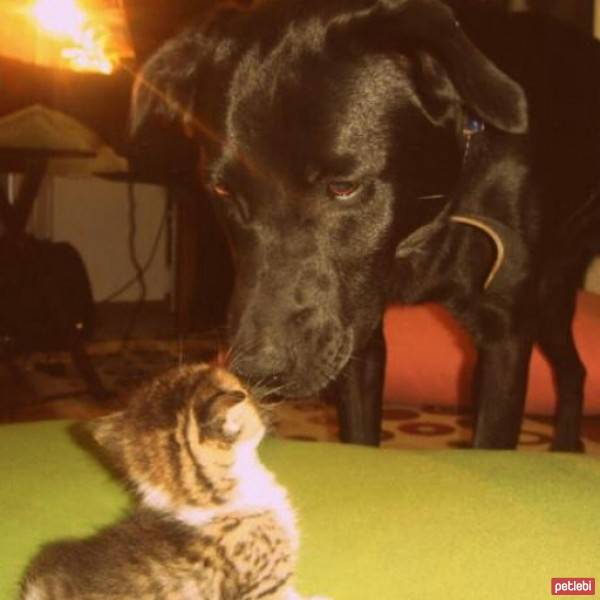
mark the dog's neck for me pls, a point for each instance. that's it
(508, 243)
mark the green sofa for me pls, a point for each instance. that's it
(376, 524)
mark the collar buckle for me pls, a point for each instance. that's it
(472, 125)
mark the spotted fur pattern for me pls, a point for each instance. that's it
(211, 523)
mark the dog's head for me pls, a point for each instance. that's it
(318, 127)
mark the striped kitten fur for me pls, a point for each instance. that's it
(211, 522)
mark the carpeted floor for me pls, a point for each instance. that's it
(47, 387)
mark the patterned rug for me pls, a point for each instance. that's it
(49, 388)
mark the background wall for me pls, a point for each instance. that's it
(93, 215)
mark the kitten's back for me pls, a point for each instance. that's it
(150, 557)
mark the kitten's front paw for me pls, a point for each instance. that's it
(320, 598)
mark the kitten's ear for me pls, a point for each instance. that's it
(107, 431)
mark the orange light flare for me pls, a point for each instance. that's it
(90, 39)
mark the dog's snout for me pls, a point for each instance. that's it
(266, 365)
(303, 316)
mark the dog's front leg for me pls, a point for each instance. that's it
(359, 390)
(500, 385)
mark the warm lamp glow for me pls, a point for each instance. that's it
(84, 41)
(82, 35)
(59, 17)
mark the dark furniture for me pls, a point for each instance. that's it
(32, 164)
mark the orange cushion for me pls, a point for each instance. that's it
(431, 359)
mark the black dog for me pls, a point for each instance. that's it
(362, 150)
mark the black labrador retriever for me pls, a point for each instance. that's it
(364, 150)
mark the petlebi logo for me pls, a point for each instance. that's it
(573, 586)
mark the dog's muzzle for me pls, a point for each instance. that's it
(292, 367)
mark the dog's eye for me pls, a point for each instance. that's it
(221, 190)
(342, 189)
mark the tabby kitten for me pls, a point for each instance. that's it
(211, 522)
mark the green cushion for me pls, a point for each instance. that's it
(375, 524)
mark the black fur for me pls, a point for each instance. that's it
(294, 100)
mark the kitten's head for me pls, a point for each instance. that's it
(178, 439)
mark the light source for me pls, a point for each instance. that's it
(81, 35)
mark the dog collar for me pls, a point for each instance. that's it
(472, 125)
(490, 228)
(511, 251)
(512, 254)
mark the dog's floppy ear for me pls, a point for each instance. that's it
(163, 96)
(186, 76)
(165, 85)
(197, 61)
(432, 26)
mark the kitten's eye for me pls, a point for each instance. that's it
(236, 396)
(221, 191)
(342, 190)
(217, 405)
